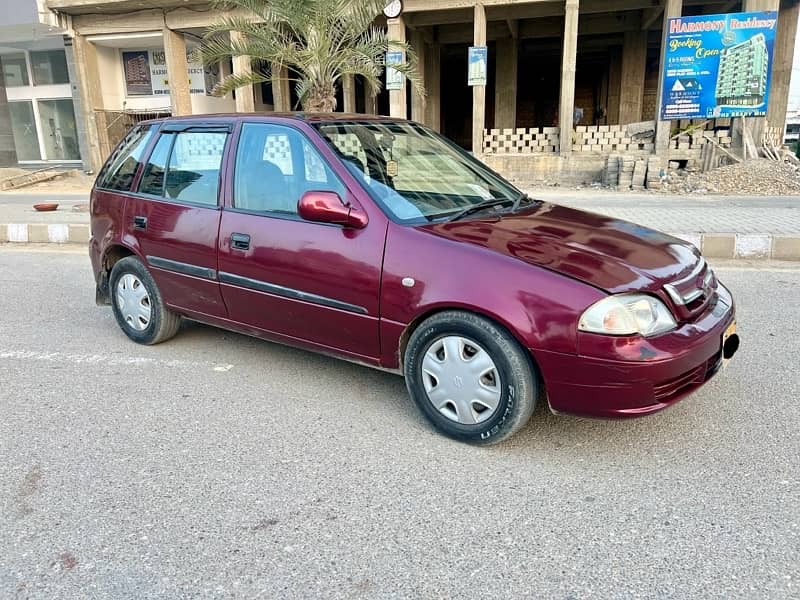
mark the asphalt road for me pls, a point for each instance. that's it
(216, 465)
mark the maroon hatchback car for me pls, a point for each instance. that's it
(378, 241)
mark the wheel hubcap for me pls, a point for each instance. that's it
(461, 380)
(133, 302)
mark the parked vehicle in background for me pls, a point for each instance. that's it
(378, 241)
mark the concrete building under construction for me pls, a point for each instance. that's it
(569, 82)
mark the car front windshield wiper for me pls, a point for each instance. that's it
(479, 207)
(523, 197)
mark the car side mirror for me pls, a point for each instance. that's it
(328, 207)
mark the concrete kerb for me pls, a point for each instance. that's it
(53, 233)
(713, 245)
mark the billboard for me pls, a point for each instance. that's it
(718, 65)
(146, 72)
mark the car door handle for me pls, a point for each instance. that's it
(140, 222)
(240, 241)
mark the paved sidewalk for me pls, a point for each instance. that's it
(689, 214)
(722, 227)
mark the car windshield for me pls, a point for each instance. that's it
(413, 173)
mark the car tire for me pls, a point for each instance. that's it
(486, 387)
(138, 305)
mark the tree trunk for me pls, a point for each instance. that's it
(321, 98)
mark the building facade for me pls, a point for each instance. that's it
(38, 121)
(568, 81)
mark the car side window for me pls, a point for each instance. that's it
(119, 172)
(193, 167)
(152, 181)
(275, 166)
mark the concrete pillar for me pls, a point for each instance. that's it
(672, 8)
(478, 91)
(245, 98)
(177, 72)
(785, 40)
(566, 105)
(418, 102)
(757, 124)
(77, 103)
(87, 77)
(433, 84)
(8, 149)
(398, 107)
(634, 61)
(505, 92)
(349, 93)
(281, 95)
(614, 84)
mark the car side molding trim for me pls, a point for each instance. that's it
(182, 268)
(279, 290)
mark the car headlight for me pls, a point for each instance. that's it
(627, 314)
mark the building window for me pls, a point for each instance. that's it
(15, 69)
(23, 128)
(49, 67)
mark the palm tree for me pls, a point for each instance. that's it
(322, 41)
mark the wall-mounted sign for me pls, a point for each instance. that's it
(136, 66)
(718, 65)
(394, 78)
(146, 72)
(477, 69)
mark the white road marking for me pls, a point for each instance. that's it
(95, 359)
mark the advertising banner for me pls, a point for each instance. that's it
(478, 57)
(146, 72)
(136, 66)
(718, 65)
(394, 78)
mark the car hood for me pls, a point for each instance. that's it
(610, 254)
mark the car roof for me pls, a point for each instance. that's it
(308, 117)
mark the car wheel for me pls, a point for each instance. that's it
(137, 304)
(469, 377)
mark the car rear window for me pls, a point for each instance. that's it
(120, 169)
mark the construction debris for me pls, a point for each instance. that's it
(756, 177)
(32, 177)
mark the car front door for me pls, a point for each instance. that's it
(173, 215)
(306, 281)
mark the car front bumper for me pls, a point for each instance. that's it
(635, 376)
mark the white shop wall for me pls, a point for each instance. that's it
(117, 90)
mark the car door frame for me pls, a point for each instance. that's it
(377, 220)
(177, 278)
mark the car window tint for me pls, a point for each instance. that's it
(152, 181)
(275, 166)
(123, 165)
(193, 172)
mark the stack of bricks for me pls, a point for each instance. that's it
(611, 171)
(608, 138)
(521, 141)
(654, 171)
(626, 167)
(639, 174)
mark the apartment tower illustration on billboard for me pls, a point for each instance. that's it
(743, 68)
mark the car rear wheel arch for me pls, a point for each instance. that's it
(111, 256)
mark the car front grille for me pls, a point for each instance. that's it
(691, 294)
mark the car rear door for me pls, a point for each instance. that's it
(173, 215)
(307, 281)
